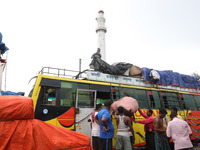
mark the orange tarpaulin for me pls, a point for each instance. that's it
(19, 130)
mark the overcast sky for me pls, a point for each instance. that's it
(159, 34)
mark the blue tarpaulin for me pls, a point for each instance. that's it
(168, 77)
(3, 47)
(11, 93)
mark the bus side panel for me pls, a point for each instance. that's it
(193, 119)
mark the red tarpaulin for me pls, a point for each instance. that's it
(19, 130)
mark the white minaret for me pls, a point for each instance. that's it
(101, 30)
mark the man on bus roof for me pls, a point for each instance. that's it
(97, 54)
(154, 77)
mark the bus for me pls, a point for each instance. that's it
(67, 100)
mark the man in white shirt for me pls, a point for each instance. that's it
(154, 77)
(123, 131)
(180, 132)
(95, 129)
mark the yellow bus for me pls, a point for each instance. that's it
(69, 101)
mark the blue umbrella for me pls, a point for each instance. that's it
(3, 47)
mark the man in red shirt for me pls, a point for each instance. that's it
(148, 128)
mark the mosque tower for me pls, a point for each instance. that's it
(101, 30)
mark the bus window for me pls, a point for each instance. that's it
(67, 94)
(164, 98)
(102, 97)
(189, 102)
(85, 99)
(197, 98)
(103, 93)
(48, 96)
(129, 92)
(152, 103)
(139, 95)
(117, 93)
(182, 103)
(101, 101)
(154, 99)
(172, 99)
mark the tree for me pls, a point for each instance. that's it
(196, 75)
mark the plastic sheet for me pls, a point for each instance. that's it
(19, 130)
(116, 69)
(130, 105)
(3, 47)
(170, 78)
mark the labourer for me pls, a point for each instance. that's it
(96, 144)
(180, 132)
(123, 131)
(161, 140)
(97, 54)
(106, 126)
(148, 128)
(154, 77)
(174, 110)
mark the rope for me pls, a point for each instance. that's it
(6, 69)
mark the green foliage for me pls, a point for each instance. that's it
(196, 75)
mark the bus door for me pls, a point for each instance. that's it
(47, 105)
(85, 104)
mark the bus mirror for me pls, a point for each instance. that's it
(76, 110)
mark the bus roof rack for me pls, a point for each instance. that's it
(64, 72)
(89, 74)
(58, 72)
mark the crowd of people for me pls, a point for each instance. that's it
(158, 131)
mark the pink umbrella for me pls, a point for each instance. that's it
(129, 103)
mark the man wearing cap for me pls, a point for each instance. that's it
(161, 141)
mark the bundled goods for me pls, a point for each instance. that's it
(128, 103)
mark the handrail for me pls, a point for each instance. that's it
(58, 72)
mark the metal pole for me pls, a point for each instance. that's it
(6, 69)
(79, 65)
